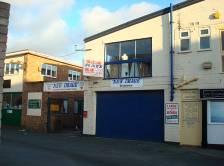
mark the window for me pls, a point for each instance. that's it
(128, 59)
(12, 100)
(222, 49)
(49, 70)
(185, 41)
(74, 75)
(204, 38)
(11, 68)
(216, 112)
(7, 84)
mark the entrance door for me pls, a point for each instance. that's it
(191, 119)
(215, 122)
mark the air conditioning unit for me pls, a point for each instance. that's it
(207, 65)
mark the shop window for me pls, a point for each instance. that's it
(216, 112)
(222, 49)
(128, 59)
(185, 41)
(11, 68)
(74, 75)
(49, 70)
(12, 100)
(7, 84)
(204, 38)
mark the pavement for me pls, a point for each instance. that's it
(21, 148)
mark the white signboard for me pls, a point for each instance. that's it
(93, 68)
(63, 86)
(127, 83)
(172, 113)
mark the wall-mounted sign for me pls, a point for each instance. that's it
(63, 86)
(172, 113)
(93, 68)
(212, 93)
(127, 83)
(34, 104)
(54, 107)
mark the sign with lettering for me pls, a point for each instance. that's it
(212, 93)
(127, 83)
(172, 113)
(34, 104)
(93, 68)
(63, 86)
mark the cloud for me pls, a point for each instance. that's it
(39, 25)
(97, 19)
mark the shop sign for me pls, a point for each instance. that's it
(127, 83)
(212, 93)
(54, 107)
(34, 104)
(93, 68)
(63, 86)
(172, 113)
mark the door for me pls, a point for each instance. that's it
(215, 122)
(137, 115)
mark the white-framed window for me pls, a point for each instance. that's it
(205, 36)
(216, 112)
(11, 68)
(74, 75)
(185, 41)
(222, 49)
(49, 70)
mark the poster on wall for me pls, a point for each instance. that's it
(93, 68)
(172, 113)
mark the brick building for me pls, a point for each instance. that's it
(4, 16)
(27, 104)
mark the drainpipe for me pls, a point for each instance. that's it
(171, 55)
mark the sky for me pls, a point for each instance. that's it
(58, 27)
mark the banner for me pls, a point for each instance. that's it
(127, 83)
(63, 86)
(172, 113)
(93, 68)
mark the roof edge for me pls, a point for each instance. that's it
(26, 51)
(142, 19)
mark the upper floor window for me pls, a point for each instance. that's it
(205, 38)
(11, 68)
(185, 41)
(49, 70)
(222, 41)
(129, 59)
(74, 75)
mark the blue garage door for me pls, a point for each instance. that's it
(136, 115)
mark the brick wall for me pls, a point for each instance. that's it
(39, 124)
(4, 20)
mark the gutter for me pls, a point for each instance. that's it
(171, 55)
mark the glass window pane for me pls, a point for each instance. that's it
(43, 69)
(49, 70)
(204, 32)
(185, 44)
(222, 36)
(6, 100)
(144, 70)
(17, 68)
(78, 76)
(217, 112)
(222, 63)
(54, 71)
(125, 70)
(184, 34)
(17, 101)
(76, 110)
(112, 71)
(112, 52)
(205, 42)
(127, 50)
(12, 68)
(143, 48)
(6, 68)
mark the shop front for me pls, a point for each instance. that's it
(213, 116)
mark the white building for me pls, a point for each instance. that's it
(129, 99)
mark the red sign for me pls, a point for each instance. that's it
(85, 114)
